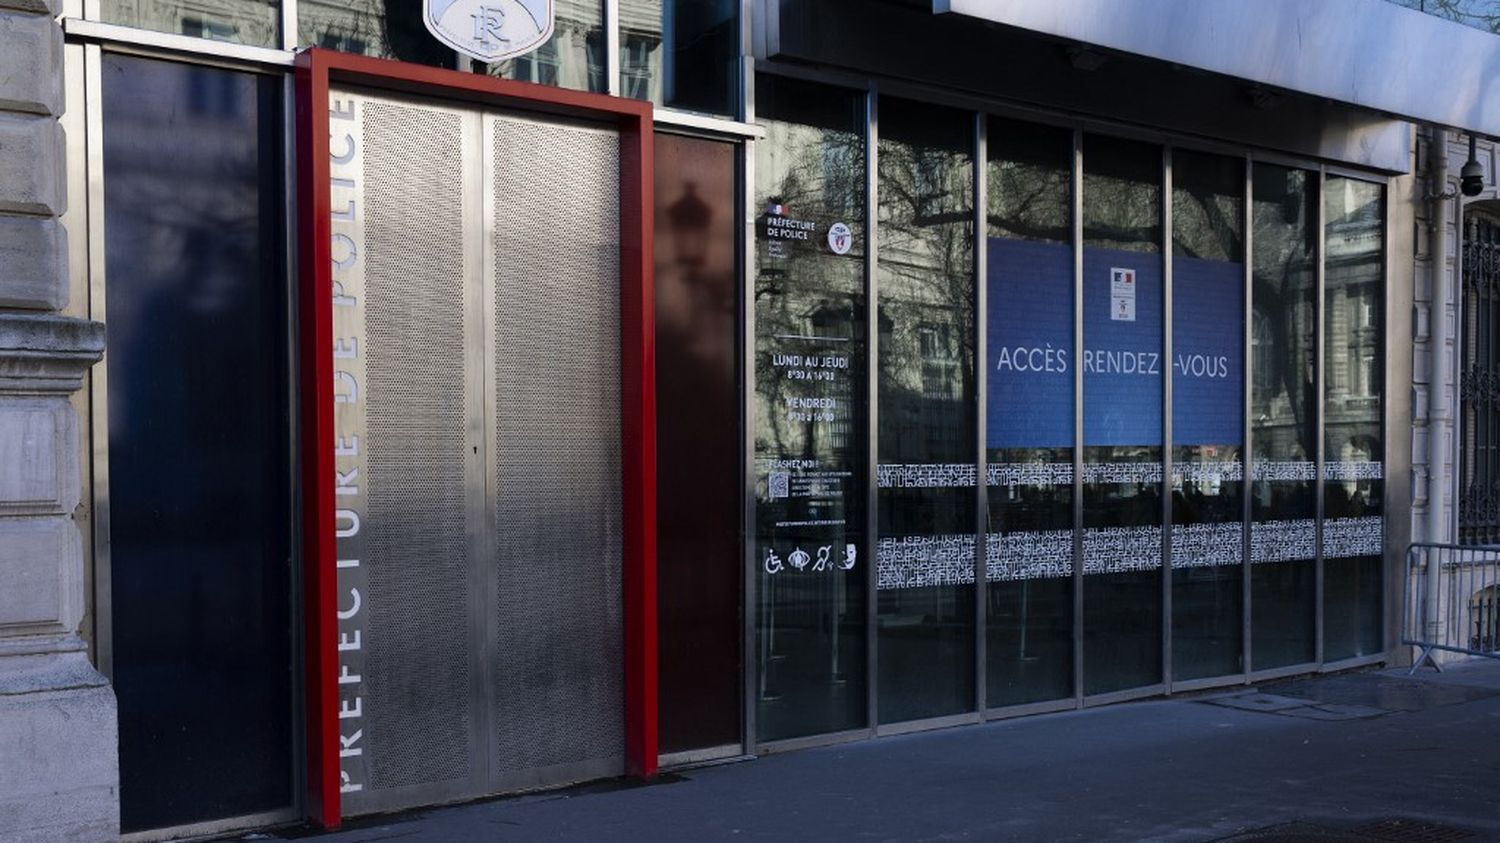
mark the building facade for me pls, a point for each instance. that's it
(718, 378)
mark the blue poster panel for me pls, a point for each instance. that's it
(1030, 335)
(1122, 348)
(1208, 352)
(1031, 359)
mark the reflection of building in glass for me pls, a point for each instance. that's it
(240, 21)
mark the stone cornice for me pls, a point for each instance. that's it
(47, 353)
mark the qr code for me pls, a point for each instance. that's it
(780, 485)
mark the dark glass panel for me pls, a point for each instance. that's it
(699, 555)
(1354, 441)
(810, 410)
(681, 53)
(1030, 418)
(388, 29)
(200, 519)
(1208, 419)
(1122, 415)
(1283, 417)
(927, 394)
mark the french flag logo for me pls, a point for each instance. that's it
(775, 209)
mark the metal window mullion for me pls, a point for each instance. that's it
(1391, 561)
(872, 399)
(289, 34)
(1247, 454)
(1319, 409)
(1078, 338)
(745, 107)
(750, 526)
(293, 346)
(612, 47)
(93, 110)
(981, 391)
(1166, 419)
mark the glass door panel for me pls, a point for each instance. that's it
(1353, 393)
(1283, 417)
(810, 410)
(1122, 415)
(1208, 419)
(927, 395)
(1029, 419)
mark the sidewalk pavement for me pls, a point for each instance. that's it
(1363, 756)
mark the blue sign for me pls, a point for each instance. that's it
(1122, 343)
(1029, 329)
(1031, 359)
(1208, 352)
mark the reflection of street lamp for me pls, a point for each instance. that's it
(688, 218)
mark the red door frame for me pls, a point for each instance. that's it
(317, 70)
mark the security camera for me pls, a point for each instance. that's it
(1471, 178)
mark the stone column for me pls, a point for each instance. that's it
(59, 773)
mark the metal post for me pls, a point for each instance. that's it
(1166, 419)
(1438, 411)
(1078, 417)
(981, 391)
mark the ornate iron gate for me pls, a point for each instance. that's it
(1479, 397)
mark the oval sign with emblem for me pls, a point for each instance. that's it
(489, 30)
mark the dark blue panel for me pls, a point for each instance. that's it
(1121, 357)
(1208, 351)
(1030, 325)
(199, 437)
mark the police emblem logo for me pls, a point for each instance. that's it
(490, 30)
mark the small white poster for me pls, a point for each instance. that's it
(1122, 294)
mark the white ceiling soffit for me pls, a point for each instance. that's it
(1369, 53)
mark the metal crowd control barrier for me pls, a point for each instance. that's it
(1452, 600)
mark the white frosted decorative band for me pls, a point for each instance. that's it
(920, 476)
(1283, 541)
(1140, 473)
(1116, 550)
(1346, 537)
(920, 561)
(1228, 471)
(1031, 555)
(1364, 470)
(1206, 545)
(1296, 470)
(1030, 474)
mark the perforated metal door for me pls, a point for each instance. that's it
(559, 661)
(477, 390)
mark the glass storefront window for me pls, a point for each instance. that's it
(252, 22)
(572, 58)
(810, 411)
(927, 448)
(1122, 415)
(1029, 419)
(1208, 420)
(388, 29)
(1283, 417)
(1353, 437)
(680, 53)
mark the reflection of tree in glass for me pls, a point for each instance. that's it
(816, 175)
(1284, 295)
(1480, 14)
(927, 341)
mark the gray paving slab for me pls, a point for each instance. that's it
(1161, 770)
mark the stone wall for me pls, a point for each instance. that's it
(59, 777)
